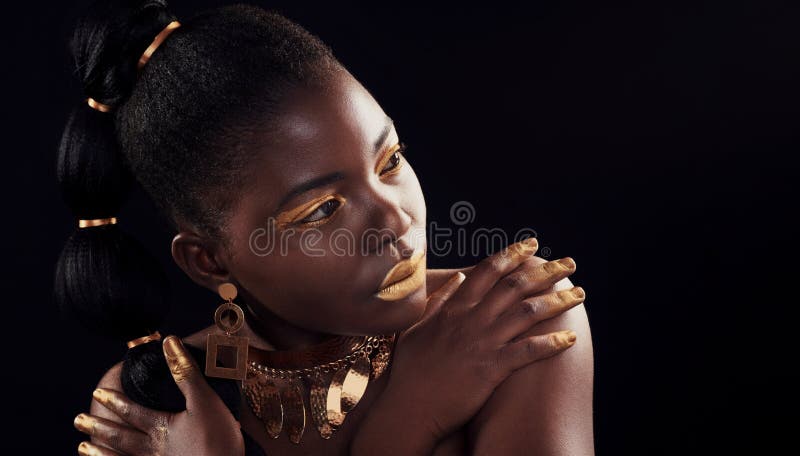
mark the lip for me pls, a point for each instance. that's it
(405, 277)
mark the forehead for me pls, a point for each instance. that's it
(318, 128)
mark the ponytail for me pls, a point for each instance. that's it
(104, 277)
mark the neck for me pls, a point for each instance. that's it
(269, 332)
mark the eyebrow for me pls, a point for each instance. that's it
(337, 176)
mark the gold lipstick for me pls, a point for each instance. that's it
(405, 277)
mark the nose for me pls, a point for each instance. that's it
(389, 225)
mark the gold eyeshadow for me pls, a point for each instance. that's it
(290, 216)
(386, 157)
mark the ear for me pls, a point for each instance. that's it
(200, 260)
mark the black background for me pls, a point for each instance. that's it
(654, 142)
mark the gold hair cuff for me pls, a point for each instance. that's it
(98, 106)
(162, 35)
(144, 340)
(86, 223)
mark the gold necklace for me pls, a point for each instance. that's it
(278, 395)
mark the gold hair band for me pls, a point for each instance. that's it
(86, 223)
(99, 106)
(144, 340)
(162, 35)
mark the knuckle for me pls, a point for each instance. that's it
(124, 410)
(532, 348)
(552, 267)
(529, 308)
(514, 281)
(114, 437)
(535, 261)
(493, 265)
(564, 296)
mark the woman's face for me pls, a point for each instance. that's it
(333, 206)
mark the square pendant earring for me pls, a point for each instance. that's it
(229, 317)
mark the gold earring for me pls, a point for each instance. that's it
(214, 341)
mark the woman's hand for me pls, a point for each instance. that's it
(447, 365)
(205, 428)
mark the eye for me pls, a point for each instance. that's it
(322, 212)
(395, 161)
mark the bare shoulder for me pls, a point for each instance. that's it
(545, 407)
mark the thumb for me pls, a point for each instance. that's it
(187, 374)
(442, 294)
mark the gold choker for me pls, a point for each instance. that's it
(278, 395)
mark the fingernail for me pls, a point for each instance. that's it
(100, 396)
(525, 246)
(567, 262)
(578, 292)
(565, 338)
(179, 363)
(84, 423)
(87, 449)
(173, 346)
(530, 245)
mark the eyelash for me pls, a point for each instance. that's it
(401, 152)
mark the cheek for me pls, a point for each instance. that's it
(304, 289)
(413, 191)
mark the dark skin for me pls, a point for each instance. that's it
(531, 401)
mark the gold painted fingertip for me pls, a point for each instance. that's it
(87, 449)
(568, 263)
(100, 395)
(84, 423)
(179, 362)
(529, 246)
(565, 338)
(578, 293)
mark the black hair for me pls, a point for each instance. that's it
(183, 128)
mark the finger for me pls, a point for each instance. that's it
(526, 313)
(140, 417)
(518, 354)
(489, 270)
(187, 375)
(442, 294)
(521, 283)
(121, 438)
(87, 449)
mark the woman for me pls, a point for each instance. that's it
(264, 152)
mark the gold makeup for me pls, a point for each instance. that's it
(404, 278)
(178, 360)
(87, 449)
(84, 423)
(386, 157)
(564, 338)
(290, 216)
